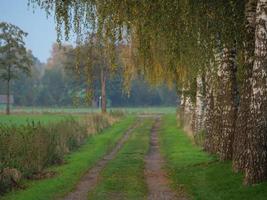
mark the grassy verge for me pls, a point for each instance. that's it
(123, 178)
(22, 119)
(199, 173)
(66, 110)
(77, 164)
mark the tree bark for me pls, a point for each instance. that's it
(181, 109)
(8, 98)
(199, 107)
(212, 110)
(103, 91)
(256, 168)
(209, 99)
(8, 92)
(242, 128)
(188, 113)
(227, 103)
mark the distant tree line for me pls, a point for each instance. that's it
(55, 83)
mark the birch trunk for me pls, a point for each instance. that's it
(210, 100)
(182, 108)
(199, 107)
(227, 103)
(242, 128)
(103, 91)
(212, 113)
(188, 115)
(256, 168)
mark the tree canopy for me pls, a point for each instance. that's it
(166, 39)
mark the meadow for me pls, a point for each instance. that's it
(86, 110)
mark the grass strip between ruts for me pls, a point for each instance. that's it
(123, 177)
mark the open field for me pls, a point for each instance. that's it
(47, 110)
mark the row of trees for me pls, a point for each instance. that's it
(230, 102)
(215, 52)
(57, 83)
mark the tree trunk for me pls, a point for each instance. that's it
(199, 107)
(8, 98)
(256, 168)
(8, 91)
(188, 114)
(212, 117)
(242, 128)
(103, 91)
(227, 103)
(180, 115)
(209, 99)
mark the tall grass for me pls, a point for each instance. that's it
(28, 149)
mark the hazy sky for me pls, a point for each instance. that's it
(41, 31)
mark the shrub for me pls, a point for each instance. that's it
(29, 149)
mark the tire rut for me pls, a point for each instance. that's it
(91, 178)
(156, 178)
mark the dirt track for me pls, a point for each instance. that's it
(90, 179)
(156, 177)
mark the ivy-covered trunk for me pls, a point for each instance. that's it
(242, 124)
(256, 168)
(227, 103)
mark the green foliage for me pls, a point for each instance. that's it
(167, 40)
(13, 54)
(76, 165)
(199, 173)
(123, 178)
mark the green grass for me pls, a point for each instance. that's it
(90, 110)
(19, 119)
(200, 174)
(164, 110)
(77, 164)
(123, 178)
